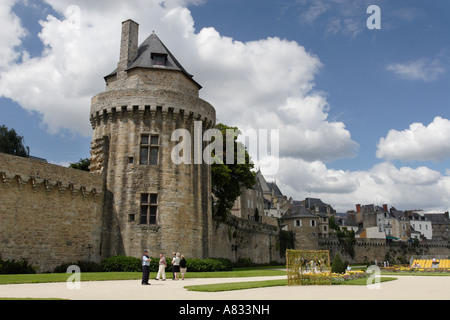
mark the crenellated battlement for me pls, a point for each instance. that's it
(17, 172)
(49, 214)
(142, 104)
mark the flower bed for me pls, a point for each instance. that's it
(349, 275)
(399, 268)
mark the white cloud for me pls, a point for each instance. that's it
(306, 132)
(11, 33)
(335, 16)
(426, 69)
(59, 84)
(314, 12)
(419, 142)
(268, 82)
(405, 188)
(347, 26)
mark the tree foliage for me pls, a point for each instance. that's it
(227, 179)
(338, 265)
(11, 142)
(346, 237)
(83, 164)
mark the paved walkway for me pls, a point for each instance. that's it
(405, 288)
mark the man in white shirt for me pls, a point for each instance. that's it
(145, 268)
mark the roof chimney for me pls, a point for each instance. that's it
(128, 45)
(358, 208)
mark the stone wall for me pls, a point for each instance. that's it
(369, 250)
(49, 214)
(241, 238)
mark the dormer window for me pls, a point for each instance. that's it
(159, 59)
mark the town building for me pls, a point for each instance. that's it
(419, 223)
(440, 225)
(275, 202)
(304, 225)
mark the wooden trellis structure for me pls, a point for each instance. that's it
(308, 267)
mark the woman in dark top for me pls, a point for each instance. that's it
(183, 267)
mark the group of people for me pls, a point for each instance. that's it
(178, 266)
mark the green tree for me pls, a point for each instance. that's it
(11, 142)
(337, 266)
(83, 164)
(227, 179)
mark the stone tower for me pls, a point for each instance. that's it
(150, 202)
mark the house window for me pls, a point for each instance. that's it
(149, 208)
(149, 150)
(298, 223)
(159, 59)
(313, 223)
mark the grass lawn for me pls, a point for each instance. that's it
(237, 285)
(268, 283)
(104, 276)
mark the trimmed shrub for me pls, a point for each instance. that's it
(206, 265)
(338, 266)
(245, 263)
(16, 267)
(122, 264)
(85, 266)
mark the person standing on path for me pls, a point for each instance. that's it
(173, 271)
(176, 266)
(162, 267)
(145, 268)
(183, 267)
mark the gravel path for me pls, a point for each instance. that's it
(405, 288)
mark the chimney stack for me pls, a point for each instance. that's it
(128, 45)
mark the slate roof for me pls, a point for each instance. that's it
(414, 216)
(311, 204)
(298, 212)
(276, 190)
(262, 181)
(371, 208)
(345, 222)
(438, 218)
(397, 214)
(145, 58)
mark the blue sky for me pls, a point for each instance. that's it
(369, 99)
(378, 99)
